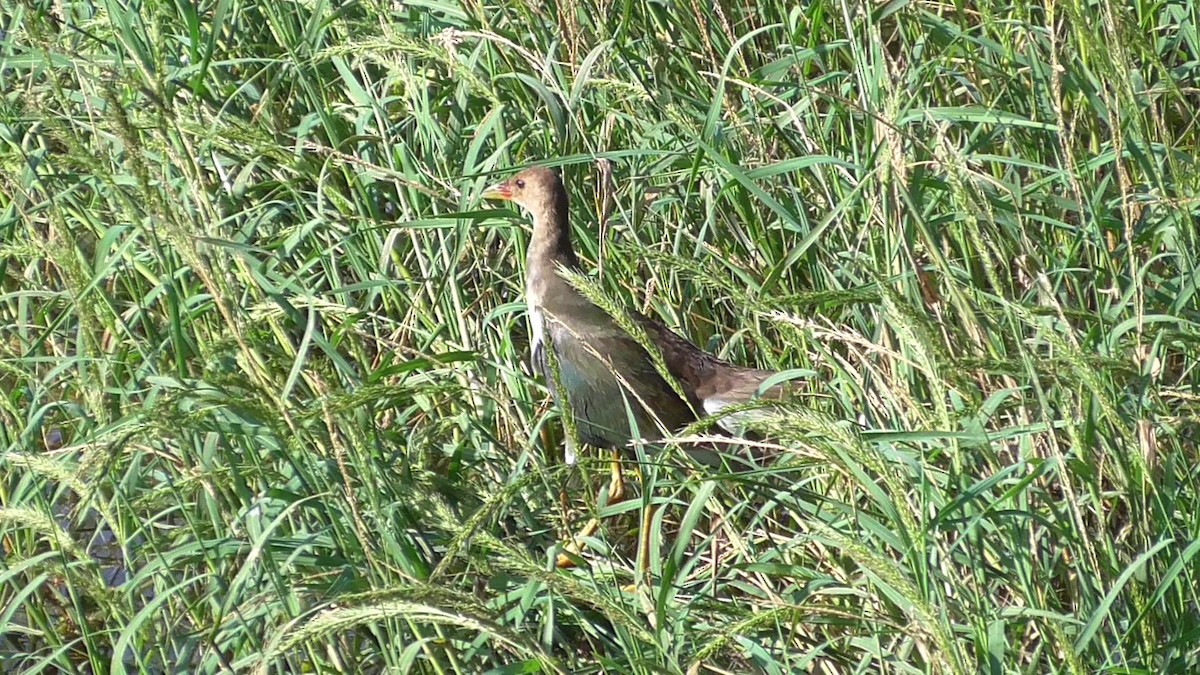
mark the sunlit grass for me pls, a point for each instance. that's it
(266, 397)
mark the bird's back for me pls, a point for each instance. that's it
(711, 384)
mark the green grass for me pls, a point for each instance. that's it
(265, 400)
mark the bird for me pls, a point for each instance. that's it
(604, 377)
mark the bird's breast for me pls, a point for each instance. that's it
(534, 296)
(537, 330)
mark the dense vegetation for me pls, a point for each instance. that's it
(265, 402)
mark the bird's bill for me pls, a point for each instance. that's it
(499, 191)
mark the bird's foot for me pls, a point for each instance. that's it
(573, 549)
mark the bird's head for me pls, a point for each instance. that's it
(535, 189)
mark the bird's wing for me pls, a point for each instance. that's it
(593, 357)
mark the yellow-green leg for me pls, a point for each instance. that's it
(616, 492)
(643, 552)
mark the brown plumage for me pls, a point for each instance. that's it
(607, 375)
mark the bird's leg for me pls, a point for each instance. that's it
(616, 483)
(643, 545)
(616, 492)
(643, 550)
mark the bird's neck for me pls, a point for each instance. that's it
(549, 249)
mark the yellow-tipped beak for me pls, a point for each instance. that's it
(499, 191)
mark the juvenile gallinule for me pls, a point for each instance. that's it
(604, 376)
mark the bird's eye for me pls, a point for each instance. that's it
(520, 184)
